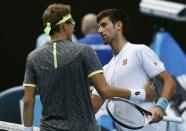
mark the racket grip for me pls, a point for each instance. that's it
(175, 119)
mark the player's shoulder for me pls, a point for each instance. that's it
(33, 53)
(81, 45)
(84, 47)
(139, 47)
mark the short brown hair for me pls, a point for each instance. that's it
(115, 15)
(53, 14)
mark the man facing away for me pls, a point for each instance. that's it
(133, 65)
(61, 71)
(89, 28)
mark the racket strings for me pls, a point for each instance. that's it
(126, 113)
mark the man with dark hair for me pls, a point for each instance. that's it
(133, 65)
(61, 72)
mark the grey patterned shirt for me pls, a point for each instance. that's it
(60, 72)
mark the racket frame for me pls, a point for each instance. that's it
(141, 110)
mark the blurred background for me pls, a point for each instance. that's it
(21, 23)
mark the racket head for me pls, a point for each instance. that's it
(121, 109)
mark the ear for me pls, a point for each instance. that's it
(63, 26)
(118, 25)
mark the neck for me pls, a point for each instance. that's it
(58, 36)
(118, 44)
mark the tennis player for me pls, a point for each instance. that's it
(133, 65)
(61, 72)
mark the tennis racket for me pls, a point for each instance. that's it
(130, 115)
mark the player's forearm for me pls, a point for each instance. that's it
(28, 113)
(105, 91)
(117, 92)
(169, 88)
(96, 103)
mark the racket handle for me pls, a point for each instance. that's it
(175, 119)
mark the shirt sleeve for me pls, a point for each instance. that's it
(91, 61)
(150, 61)
(29, 78)
(94, 91)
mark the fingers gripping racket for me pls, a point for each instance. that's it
(129, 115)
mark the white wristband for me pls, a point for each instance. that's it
(137, 94)
(28, 128)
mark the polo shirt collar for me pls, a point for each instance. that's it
(124, 48)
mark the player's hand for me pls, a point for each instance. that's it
(157, 114)
(150, 92)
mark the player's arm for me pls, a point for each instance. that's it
(105, 91)
(97, 102)
(29, 101)
(169, 87)
(29, 95)
(155, 68)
